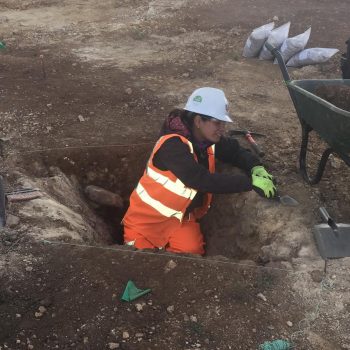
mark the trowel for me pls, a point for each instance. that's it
(332, 239)
(287, 200)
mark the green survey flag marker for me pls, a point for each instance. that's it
(131, 292)
(2, 45)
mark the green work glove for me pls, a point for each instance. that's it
(264, 187)
(259, 170)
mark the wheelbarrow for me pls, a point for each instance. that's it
(331, 123)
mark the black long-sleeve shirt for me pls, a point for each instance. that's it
(174, 155)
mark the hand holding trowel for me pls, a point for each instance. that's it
(285, 199)
(265, 185)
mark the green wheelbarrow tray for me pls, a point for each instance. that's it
(314, 113)
(329, 121)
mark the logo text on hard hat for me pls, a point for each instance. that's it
(197, 98)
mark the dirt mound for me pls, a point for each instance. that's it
(338, 95)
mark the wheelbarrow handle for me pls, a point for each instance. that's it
(280, 61)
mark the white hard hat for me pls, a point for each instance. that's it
(209, 101)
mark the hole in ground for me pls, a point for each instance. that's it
(236, 226)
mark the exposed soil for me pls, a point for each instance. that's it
(84, 88)
(338, 95)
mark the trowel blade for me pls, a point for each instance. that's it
(329, 245)
(287, 200)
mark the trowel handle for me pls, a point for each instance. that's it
(348, 49)
(324, 214)
(326, 217)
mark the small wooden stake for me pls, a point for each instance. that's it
(43, 66)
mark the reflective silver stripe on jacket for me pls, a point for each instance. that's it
(155, 204)
(191, 146)
(176, 187)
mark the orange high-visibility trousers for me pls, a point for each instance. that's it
(184, 238)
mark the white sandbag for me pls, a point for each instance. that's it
(257, 39)
(311, 56)
(276, 39)
(291, 46)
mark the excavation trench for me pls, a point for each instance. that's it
(238, 226)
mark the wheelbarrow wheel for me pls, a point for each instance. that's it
(2, 203)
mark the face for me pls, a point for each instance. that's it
(208, 129)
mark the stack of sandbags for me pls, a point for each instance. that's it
(257, 40)
(275, 39)
(292, 49)
(311, 56)
(291, 46)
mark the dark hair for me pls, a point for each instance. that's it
(187, 117)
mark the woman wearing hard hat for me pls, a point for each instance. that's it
(176, 188)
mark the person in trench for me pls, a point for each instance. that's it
(176, 188)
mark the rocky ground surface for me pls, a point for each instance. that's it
(84, 88)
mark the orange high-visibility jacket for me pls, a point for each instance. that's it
(160, 199)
